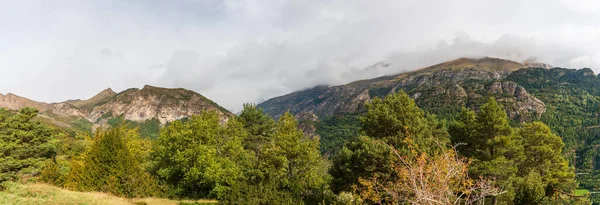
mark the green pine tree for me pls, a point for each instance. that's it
(260, 128)
(487, 138)
(393, 121)
(26, 145)
(544, 158)
(109, 166)
(397, 118)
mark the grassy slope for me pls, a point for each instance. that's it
(46, 194)
(581, 192)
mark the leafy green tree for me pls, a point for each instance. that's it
(528, 163)
(110, 166)
(260, 127)
(293, 160)
(487, 138)
(360, 158)
(26, 145)
(529, 189)
(543, 157)
(201, 157)
(494, 126)
(286, 167)
(395, 121)
(397, 118)
(464, 133)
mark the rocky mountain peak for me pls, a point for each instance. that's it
(138, 105)
(107, 91)
(98, 99)
(15, 102)
(485, 63)
(164, 104)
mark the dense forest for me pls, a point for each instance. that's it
(400, 154)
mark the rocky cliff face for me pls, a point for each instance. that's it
(164, 104)
(448, 99)
(138, 105)
(306, 123)
(441, 89)
(15, 102)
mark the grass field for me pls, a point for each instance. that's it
(581, 192)
(38, 194)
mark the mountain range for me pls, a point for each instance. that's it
(445, 87)
(568, 100)
(135, 105)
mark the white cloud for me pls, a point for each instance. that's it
(237, 51)
(582, 6)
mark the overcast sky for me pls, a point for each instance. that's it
(236, 51)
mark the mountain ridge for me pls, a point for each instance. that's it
(137, 105)
(457, 74)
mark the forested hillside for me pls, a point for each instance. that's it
(254, 159)
(565, 99)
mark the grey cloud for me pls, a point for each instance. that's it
(237, 51)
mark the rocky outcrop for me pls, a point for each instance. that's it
(15, 102)
(458, 91)
(518, 103)
(457, 83)
(306, 123)
(510, 92)
(164, 104)
(137, 105)
(66, 109)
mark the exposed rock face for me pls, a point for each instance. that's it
(164, 104)
(150, 102)
(306, 123)
(521, 101)
(66, 109)
(458, 91)
(458, 83)
(15, 102)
